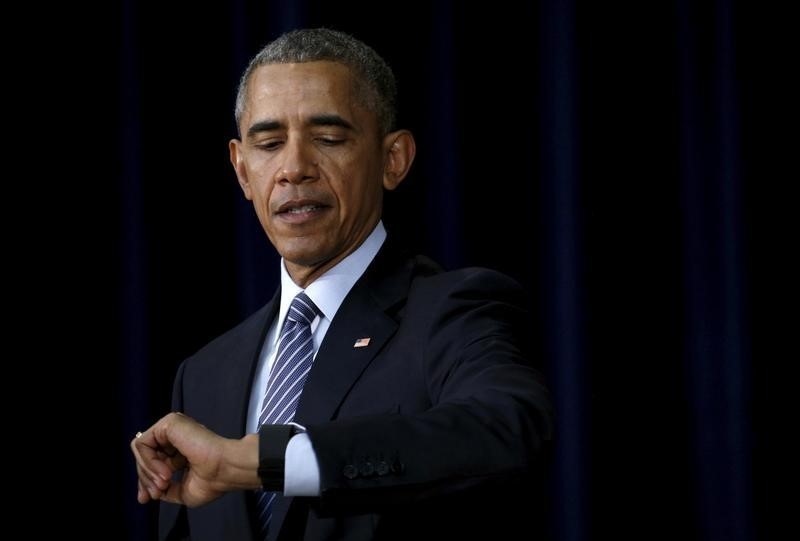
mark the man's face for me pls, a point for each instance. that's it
(311, 160)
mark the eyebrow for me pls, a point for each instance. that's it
(330, 120)
(263, 125)
(317, 120)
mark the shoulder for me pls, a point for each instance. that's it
(426, 278)
(466, 283)
(469, 302)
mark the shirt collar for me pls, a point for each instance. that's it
(329, 290)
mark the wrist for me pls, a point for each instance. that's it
(240, 470)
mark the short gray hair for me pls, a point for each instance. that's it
(374, 77)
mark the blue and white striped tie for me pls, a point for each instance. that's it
(286, 380)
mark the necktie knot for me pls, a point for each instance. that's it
(302, 309)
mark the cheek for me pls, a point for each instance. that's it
(361, 187)
(260, 170)
(261, 200)
(362, 199)
(261, 184)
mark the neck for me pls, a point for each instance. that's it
(304, 275)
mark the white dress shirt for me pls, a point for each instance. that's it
(301, 477)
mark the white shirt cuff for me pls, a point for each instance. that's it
(301, 472)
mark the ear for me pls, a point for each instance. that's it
(237, 160)
(399, 148)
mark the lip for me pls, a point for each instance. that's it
(300, 211)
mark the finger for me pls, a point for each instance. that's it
(174, 494)
(152, 461)
(152, 474)
(156, 482)
(148, 484)
(142, 496)
(177, 462)
(154, 493)
(160, 472)
(151, 489)
(155, 438)
(149, 477)
(145, 493)
(157, 459)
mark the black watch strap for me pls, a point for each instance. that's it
(272, 442)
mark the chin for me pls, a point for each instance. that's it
(306, 254)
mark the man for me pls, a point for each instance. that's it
(414, 413)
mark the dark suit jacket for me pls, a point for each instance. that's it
(434, 430)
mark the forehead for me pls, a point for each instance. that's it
(309, 87)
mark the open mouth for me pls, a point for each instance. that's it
(300, 211)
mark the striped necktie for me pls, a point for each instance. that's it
(286, 379)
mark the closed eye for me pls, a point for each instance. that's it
(270, 145)
(330, 141)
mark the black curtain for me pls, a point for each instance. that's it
(600, 154)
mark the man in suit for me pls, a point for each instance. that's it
(412, 411)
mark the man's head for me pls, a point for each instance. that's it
(316, 150)
(374, 79)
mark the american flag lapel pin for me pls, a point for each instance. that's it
(361, 343)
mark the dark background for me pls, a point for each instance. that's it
(602, 154)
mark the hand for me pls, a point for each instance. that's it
(211, 464)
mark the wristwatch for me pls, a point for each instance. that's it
(272, 442)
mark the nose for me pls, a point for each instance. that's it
(298, 164)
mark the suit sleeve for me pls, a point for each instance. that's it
(490, 412)
(172, 523)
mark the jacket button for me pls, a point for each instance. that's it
(350, 471)
(382, 468)
(367, 469)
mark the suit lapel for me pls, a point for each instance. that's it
(362, 315)
(339, 363)
(243, 370)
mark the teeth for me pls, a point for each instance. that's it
(306, 208)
